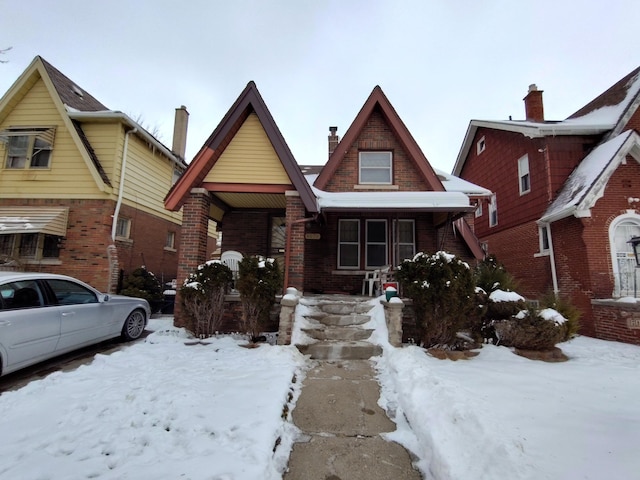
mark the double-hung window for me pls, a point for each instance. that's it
(524, 178)
(349, 244)
(406, 240)
(376, 168)
(28, 147)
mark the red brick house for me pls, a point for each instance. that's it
(375, 202)
(565, 203)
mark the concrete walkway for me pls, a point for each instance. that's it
(342, 422)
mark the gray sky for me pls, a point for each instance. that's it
(441, 63)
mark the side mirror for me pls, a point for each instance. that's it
(105, 298)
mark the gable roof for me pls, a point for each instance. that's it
(249, 101)
(587, 182)
(607, 113)
(378, 99)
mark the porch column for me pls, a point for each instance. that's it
(295, 237)
(193, 240)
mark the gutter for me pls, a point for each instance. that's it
(123, 170)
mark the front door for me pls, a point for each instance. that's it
(627, 279)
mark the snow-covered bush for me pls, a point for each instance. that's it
(531, 330)
(202, 298)
(259, 280)
(442, 290)
(502, 304)
(141, 283)
(569, 311)
(491, 275)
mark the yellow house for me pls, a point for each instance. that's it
(82, 187)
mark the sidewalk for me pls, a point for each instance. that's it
(338, 413)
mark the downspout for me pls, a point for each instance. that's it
(287, 248)
(123, 171)
(552, 260)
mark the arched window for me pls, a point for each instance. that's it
(626, 275)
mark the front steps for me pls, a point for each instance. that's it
(338, 332)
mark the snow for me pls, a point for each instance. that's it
(452, 183)
(552, 315)
(502, 296)
(391, 200)
(586, 177)
(212, 410)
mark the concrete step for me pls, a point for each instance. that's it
(344, 308)
(341, 350)
(344, 320)
(338, 333)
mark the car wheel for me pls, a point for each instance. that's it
(133, 325)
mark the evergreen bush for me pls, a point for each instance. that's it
(491, 275)
(443, 294)
(202, 298)
(529, 331)
(569, 311)
(259, 280)
(141, 283)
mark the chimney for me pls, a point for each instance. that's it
(180, 124)
(533, 106)
(333, 139)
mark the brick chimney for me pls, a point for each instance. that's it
(180, 124)
(533, 106)
(333, 139)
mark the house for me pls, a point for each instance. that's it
(565, 203)
(375, 202)
(81, 186)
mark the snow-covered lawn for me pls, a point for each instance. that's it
(165, 410)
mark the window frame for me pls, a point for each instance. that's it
(400, 243)
(493, 211)
(127, 228)
(543, 239)
(478, 211)
(340, 242)
(15, 245)
(362, 154)
(524, 175)
(170, 240)
(481, 145)
(32, 151)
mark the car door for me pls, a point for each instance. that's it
(29, 329)
(83, 319)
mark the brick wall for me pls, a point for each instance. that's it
(246, 232)
(376, 135)
(617, 321)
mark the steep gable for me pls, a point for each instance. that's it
(377, 127)
(246, 125)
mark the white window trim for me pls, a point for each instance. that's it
(399, 243)
(481, 145)
(478, 211)
(367, 242)
(493, 208)
(542, 251)
(340, 243)
(127, 236)
(360, 167)
(633, 217)
(523, 170)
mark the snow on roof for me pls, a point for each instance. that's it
(586, 183)
(393, 200)
(452, 183)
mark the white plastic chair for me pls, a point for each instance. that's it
(232, 259)
(369, 282)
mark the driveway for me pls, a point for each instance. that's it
(65, 363)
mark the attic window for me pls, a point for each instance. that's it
(76, 89)
(480, 146)
(28, 147)
(375, 167)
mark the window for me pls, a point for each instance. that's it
(123, 227)
(21, 294)
(480, 146)
(71, 293)
(28, 147)
(626, 275)
(171, 240)
(493, 211)
(51, 246)
(406, 240)
(523, 175)
(6, 244)
(478, 212)
(543, 233)
(376, 243)
(349, 244)
(375, 167)
(28, 245)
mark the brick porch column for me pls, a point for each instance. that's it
(295, 234)
(193, 240)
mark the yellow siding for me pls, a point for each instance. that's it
(249, 158)
(105, 138)
(148, 179)
(68, 176)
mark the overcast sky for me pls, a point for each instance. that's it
(441, 63)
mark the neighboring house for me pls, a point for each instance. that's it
(566, 203)
(375, 202)
(82, 186)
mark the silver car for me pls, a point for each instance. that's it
(44, 315)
